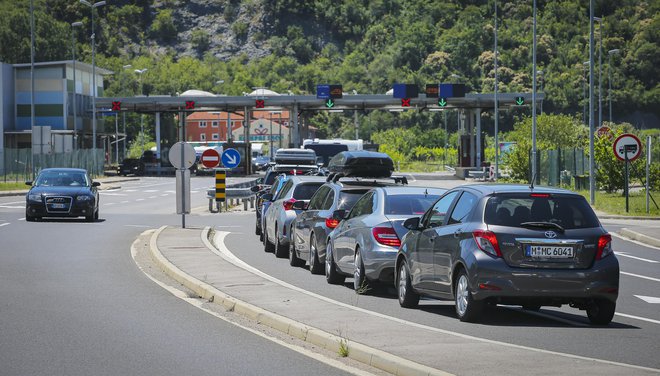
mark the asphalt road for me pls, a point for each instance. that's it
(72, 298)
(73, 301)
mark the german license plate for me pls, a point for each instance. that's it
(57, 206)
(545, 251)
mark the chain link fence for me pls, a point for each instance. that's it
(22, 165)
(564, 168)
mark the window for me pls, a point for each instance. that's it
(285, 189)
(316, 202)
(463, 208)
(216, 136)
(202, 124)
(436, 216)
(348, 198)
(364, 206)
(202, 137)
(214, 123)
(306, 190)
(408, 204)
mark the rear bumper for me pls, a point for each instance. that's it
(379, 263)
(494, 280)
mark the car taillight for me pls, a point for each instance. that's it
(540, 195)
(487, 242)
(604, 246)
(386, 236)
(331, 222)
(288, 204)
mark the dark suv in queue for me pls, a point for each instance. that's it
(509, 244)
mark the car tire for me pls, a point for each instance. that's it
(360, 280)
(408, 298)
(96, 215)
(29, 218)
(315, 266)
(601, 312)
(90, 218)
(280, 250)
(467, 309)
(294, 260)
(332, 276)
(268, 247)
(257, 229)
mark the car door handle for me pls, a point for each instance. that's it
(458, 233)
(432, 238)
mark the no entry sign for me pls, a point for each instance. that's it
(627, 146)
(210, 158)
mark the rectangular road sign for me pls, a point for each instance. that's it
(220, 185)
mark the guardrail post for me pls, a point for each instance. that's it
(245, 201)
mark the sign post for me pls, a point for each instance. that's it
(182, 156)
(627, 148)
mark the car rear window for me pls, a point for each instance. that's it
(348, 198)
(305, 191)
(408, 204)
(570, 212)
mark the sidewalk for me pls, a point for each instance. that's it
(390, 344)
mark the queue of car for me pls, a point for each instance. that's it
(478, 245)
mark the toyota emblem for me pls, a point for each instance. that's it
(550, 234)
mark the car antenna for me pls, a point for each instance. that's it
(531, 183)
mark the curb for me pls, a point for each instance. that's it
(640, 237)
(361, 353)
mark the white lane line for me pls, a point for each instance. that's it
(4, 224)
(635, 257)
(139, 199)
(138, 226)
(153, 196)
(637, 318)
(633, 241)
(14, 202)
(218, 247)
(12, 207)
(151, 190)
(130, 190)
(649, 299)
(170, 191)
(125, 202)
(112, 194)
(164, 195)
(110, 203)
(641, 276)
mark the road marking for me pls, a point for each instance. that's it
(125, 202)
(637, 318)
(218, 247)
(635, 257)
(4, 224)
(110, 203)
(648, 299)
(633, 241)
(104, 193)
(641, 276)
(12, 207)
(14, 202)
(153, 196)
(138, 226)
(139, 199)
(151, 190)
(164, 195)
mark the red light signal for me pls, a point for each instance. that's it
(259, 103)
(405, 102)
(190, 105)
(116, 106)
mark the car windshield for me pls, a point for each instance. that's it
(408, 204)
(306, 190)
(61, 179)
(529, 210)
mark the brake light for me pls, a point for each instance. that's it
(487, 242)
(604, 246)
(288, 204)
(331, 222)
(386, 236)
(540, 195)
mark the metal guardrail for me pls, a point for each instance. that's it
(236, 193)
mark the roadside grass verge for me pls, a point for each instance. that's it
(615, 203)
(13, 186)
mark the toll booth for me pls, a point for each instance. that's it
(467, 150)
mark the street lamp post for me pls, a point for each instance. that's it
(600, 71)
(585, 66)
(73, 57)
(540, 73)
(123, 114)
(534, 172)
(609, 80)
(140, 72)
(497, 145)
(93, 6)
(592, 177)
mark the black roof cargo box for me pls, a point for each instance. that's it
(362, 163)
(295, 156)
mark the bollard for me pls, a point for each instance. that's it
(252, 202)
(245, 204)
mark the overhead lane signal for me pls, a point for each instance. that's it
(329, 92)
(329, 103)
(259, 103)
(519, 101)
(442, 102)
(190, 105)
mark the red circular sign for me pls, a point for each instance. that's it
(210, 158)
(604, 132)
(627, 145)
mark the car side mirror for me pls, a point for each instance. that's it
(255, 188)
(267, 197)
(96, 184)
(339, 214)
(300, 205)
(412, 223)
(28, 183)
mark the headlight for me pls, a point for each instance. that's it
(34, 197)
(84, 198)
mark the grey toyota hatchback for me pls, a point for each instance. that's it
(509, 244)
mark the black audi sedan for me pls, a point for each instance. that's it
(62, 192)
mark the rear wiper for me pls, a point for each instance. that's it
(543, 225)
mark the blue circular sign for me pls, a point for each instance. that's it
(231, 158)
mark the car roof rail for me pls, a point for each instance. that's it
(400, 179)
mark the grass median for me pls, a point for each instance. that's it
(615, 203)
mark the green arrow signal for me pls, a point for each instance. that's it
(442, 102)
(520, 101)
(330, 103)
